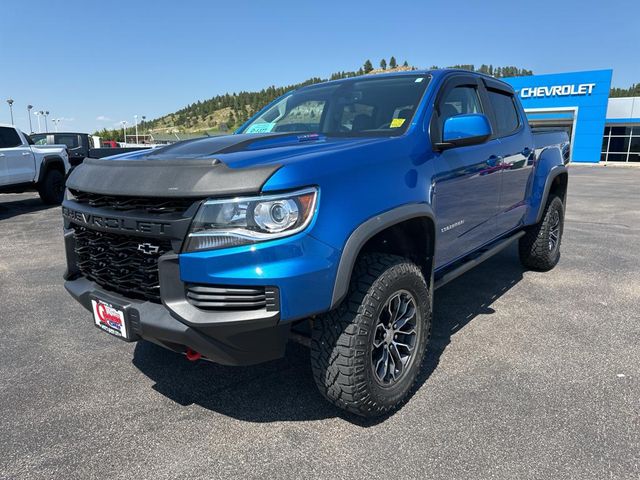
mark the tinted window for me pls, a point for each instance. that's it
(619, 144)
(9, 138)
(71, 141)
(39, 139)
(620, 130)
(458, 101)
(507, 118)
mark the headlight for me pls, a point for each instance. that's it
(68, 195)
(245, 220)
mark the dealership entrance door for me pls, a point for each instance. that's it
(554, 118)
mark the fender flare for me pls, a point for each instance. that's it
(553, 173)
(364, 233)
(48, 162)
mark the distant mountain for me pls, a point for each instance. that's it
(226, 112)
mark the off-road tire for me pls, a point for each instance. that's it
(534, 246)
(51, 189)
(342, 340)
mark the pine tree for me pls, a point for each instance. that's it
(405, 64)
(383, 64)
(367, 67)
(392, 62)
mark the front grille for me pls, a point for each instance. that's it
(119, 262)
(216, 297)
(126, 203)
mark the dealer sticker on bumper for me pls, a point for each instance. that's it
(109, 318)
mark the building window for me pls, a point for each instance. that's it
(621, 144)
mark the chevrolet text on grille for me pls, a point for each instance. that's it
(116, 223)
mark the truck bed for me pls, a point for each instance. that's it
(545, 137)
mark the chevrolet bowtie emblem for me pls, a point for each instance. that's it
(148, 249)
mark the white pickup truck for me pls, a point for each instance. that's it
(24, 166)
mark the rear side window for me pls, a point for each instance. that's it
(507, 118)
(71, 141)
(9, 138)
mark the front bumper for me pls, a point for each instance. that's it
(228, 337)
(223, 340)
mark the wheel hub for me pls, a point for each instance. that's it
(554, 230)
(395, 337)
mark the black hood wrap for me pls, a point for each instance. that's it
(147, 177)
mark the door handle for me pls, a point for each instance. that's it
(1, 154)
(25, 153)
(494, 160)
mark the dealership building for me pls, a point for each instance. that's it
(601, 129)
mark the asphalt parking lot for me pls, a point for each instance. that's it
(528, 375)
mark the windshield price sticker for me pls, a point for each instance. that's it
(260, 128)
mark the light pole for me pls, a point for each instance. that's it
(143, 119)
(10, 102)
(56, 122)
(46, 126)
(29, 107)
(124, 130)
(38, 114)
(135, 120)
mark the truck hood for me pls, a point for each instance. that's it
(223, 165)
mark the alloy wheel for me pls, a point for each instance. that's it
(395, 338)
(554, 230)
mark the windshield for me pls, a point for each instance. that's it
(380, 106)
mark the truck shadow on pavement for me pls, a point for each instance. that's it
(284, 390)
(19, 207)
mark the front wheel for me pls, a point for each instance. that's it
(366, 355)
(51, 189)
(539, 248)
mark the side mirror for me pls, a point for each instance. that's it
(464, 130)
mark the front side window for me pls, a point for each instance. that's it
(370, 106)
(9, 138)
(504, 108)
(459, 101)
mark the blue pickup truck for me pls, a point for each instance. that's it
(341, 206)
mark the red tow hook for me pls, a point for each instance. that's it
(192, 355)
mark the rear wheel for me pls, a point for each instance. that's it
(51, 189)
(366, 355)
(540, 247)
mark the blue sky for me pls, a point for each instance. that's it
(97, 63)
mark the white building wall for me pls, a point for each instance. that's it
(624, 107)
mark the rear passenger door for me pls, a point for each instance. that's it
(467, 181)
(515, 151)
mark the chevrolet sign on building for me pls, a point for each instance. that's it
(557, 90)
